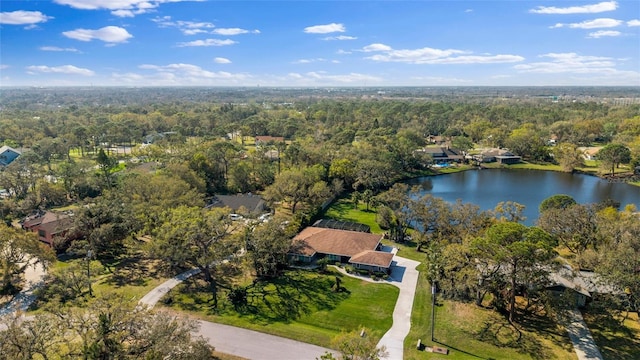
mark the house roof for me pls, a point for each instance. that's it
(342, 225)
(251, 202)
(8, 148)
(370, 257)
(267, 138)
(4, 149)
(313, 240)
(583, 282)
(435, 152)
(442, 153)
(496, 152)
(48, 221)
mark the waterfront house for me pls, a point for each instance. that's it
(359, 249)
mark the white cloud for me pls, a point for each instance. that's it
(180, 74)
(633, 22)
(221, 60)
(58, 49)
(186, 27)
(376, 47)
(322, 78)
(437, 80)
(108, 34)
(603, 33)
(4, 66)
(233, 31)
(193, 27)
(569, 63)
(435, 56)
(340, 37)
(591, 24)
(64, 69)
(343, 52)
(120, 8)
(21, 17)
(325, 29)
(585, 9)
(208, 42)
(309, 61)
(469, 11)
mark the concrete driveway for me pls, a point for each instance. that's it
(405, 276)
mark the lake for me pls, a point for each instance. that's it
(487, 187)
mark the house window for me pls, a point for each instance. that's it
(333, 257)
(42, 233)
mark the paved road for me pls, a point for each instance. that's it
(33, 275)
(583, 343)
(256, 345)
(153, 296)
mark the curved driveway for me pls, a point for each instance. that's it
(255, 345)
(238, 341)
(405, 276)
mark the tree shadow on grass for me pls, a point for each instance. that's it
(295, 294)
(525, 339)
(130, 271)
(283, 299)
(615, 340)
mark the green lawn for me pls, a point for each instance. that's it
(468, 331)
(131, 278)
(472, 332)
(299, 305)
(343, 209)
(616, 339)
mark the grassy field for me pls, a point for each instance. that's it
(472, 332)
(616, 339)
(343, 209)
(131, 278)
(299, 305)
(468, 331)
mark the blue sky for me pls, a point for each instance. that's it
(319, 43)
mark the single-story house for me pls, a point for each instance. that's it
(7, 155)
(266, 139)
(502, 156)
(48, 225)
(359, 249)
(251, 202)
(443, 154)
(438, 139)
(584, 284)
(590, 152)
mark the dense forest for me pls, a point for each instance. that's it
(138, 164)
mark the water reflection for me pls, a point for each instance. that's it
(486, 188)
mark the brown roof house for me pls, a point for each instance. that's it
(263, 139)
(359, 249)
(48, 225)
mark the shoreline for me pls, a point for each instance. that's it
(628, 178)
